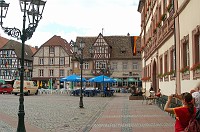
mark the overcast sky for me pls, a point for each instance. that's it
(72, 18)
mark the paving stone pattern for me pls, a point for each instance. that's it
(61, 113)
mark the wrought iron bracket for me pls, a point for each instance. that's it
(13, 32)
(16, 33)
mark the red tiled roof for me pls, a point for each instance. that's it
(33, 49)
(58, 41)
(3, 41)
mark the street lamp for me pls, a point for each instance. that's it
(78, 54)
(103, 71)
(34, 10)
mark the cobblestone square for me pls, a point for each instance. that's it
(61, 113)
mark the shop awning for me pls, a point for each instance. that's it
(130, 79)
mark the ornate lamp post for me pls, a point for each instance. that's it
(78, 54)
(34, 10)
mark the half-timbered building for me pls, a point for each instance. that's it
(170, 44)
(10, 61)
(52, 61)
(115, 56)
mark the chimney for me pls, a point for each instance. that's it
(128, 34)
(36, 47)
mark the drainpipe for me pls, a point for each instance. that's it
(177, 47)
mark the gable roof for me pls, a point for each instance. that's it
(57, 41)
(17, 46)
(3, 41)
(33, 49)
(115, 42)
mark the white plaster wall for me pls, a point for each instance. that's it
(46, 51)
(167, 88)
(168, 44)
(35, 61)
(189, 19)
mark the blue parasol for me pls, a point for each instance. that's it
(102, 78)
(73, 78)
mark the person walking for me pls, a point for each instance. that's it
(184, 113)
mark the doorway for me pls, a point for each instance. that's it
(154, 78)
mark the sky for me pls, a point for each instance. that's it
(72, 18)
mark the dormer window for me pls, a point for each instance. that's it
(123, 50)
(51, 49)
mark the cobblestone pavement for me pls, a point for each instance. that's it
(51, 113)
(123, 115)
(61, 113)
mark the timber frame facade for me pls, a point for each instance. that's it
(115, 56)
(170, 44)
(10, 61)
(52, 61)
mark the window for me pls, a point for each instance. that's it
(135, 66)
(51, 73)
(100, 65)
(125, 65)
(86, 65)
(41, 61)
(41, 72)
(196, 45)
(62, 61)
(51, 61)
(51, 50)
(166, 62)
(114, 66)
(185, 51)
(161, 65)
(125, 83)
(62, 73)
(123, 50)
(172, 59)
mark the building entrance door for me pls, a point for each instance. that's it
(154, 78)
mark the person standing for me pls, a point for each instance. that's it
(184, 113)
(158, 94)
(152, 92)
(196, 95)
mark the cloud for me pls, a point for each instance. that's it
(72, 18)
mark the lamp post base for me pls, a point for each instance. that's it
(81, 102)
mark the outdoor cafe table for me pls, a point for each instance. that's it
(90, 92)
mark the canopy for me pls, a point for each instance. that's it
(132, 80)
(2, 81)
(73, 78)
(102, 78)
(118, 79)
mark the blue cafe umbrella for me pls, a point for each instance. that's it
(73, 78)
(102, 78)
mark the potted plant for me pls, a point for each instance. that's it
(165, 74)
(145, 79)
(171, 72)
(160, 75)
(195, 67)
(184, 69)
